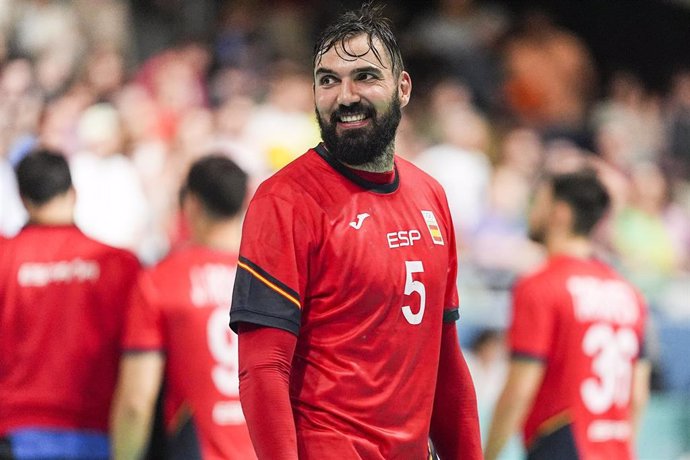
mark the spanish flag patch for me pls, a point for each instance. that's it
(433, 227)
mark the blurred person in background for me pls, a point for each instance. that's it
(231, 120)
(62, 310)
(345, 300)
(112, 206)
(284, 123)
(177, 328)
(488, 364)
(651, 234)
(501, 247)
(463, 36)
(550, 77)
(578, 379)
(20, 107)
(460, 163)
(627, 123)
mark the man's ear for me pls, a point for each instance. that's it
(404, 88)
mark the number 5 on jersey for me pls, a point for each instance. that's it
(413, 285)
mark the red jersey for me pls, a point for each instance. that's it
(62, 308)
(180, 307)
(364, 274)
(586, 324)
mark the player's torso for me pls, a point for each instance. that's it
(202, 389)
(589, 375)
(373, 308)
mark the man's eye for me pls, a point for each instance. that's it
(326, 80)
(366, 76)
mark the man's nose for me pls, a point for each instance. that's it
(348, 93)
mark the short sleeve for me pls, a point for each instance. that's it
(273, 265)
(144, 323)
(533, 322)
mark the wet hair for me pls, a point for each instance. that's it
(42, 175)
(218, 183)
(368, 20)
(586, 195)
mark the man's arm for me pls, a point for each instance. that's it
(134, 403)
(265, 360)
(524, 378)
(640, 391)
(454, 421)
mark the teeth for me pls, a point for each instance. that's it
(352, 118)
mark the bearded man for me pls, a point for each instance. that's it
(345, 299)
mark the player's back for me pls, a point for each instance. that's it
(181, 308)
(62, 303)
(589, 335)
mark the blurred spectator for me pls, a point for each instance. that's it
(628, 124)
(20, 108)
(651, 234)
(104, 73)
(111, 205)
(12, 213)
(488, 363)
(501, 247)
(460, 163)
(176, 80)
(678, 126)
(231, 120)
(58, 127)
(550, 77)
(462, 35)
(284, 123)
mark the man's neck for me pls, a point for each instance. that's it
(575, 246)
(220, 235)
(381, 164)
(58, 211)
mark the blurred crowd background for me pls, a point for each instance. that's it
(503, 91)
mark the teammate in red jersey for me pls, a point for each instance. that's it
(576, 339)
(345, 298)
(62, 305)
(178, 322)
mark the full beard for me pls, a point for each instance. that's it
(372, 145)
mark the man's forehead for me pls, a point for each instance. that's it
(354, 49)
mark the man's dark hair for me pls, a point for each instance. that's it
(585, 194)
(219, 184)
(42, 175)
(368, 20)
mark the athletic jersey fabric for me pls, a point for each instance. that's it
(364, 274)
(180, 307)
(585, 323)
(62, 306)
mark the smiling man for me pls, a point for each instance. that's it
(345, 298)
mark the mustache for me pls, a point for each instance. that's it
(345, 110)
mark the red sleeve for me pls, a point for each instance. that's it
(532, 327)
(265, 359)
(144, 323)
(455, 422)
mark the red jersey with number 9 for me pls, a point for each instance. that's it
(180, 307)
(585, 323)
(364, 274)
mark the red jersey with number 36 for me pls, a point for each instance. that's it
(180, 307)
(364, 274)
(585, 323)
